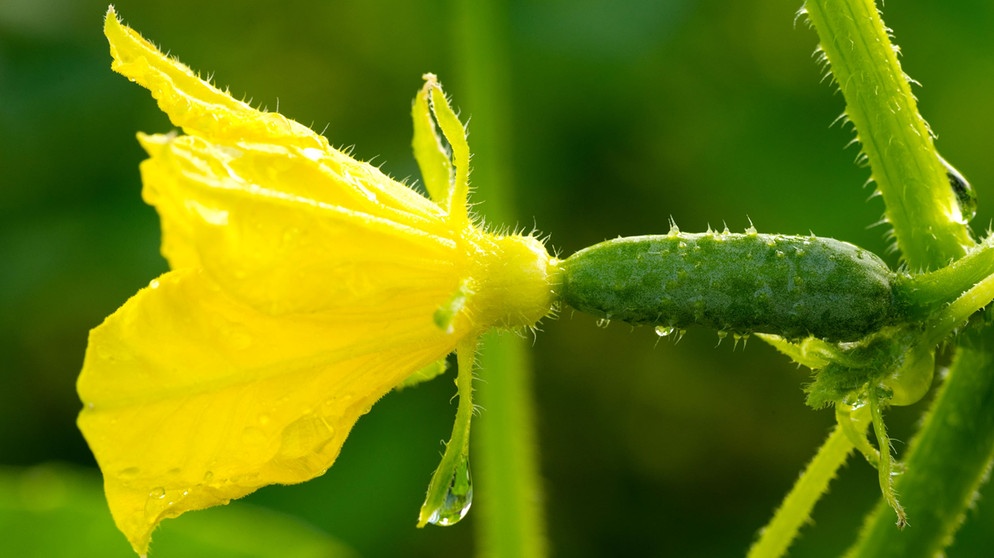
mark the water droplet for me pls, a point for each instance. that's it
(208, 476)
(158, 493)
(153, 284)
(312, 153)
(253, 436)
(129, 473)
(665, 331)
(603, 322)
(966, 197)
(458, 497)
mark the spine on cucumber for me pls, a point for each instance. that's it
(793, 286)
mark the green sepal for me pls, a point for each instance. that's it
(450, 492)
(894, 361)
(447, 312)
(455, 133)
(811, 351)
(429, 150)
(429, 372)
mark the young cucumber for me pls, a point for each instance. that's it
(793, 286)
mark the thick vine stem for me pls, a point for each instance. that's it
(948, 458)
(928, 224)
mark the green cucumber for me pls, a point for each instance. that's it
(792, 286)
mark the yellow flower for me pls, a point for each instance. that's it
(304, 285)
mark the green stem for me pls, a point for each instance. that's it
(959, 311)
(511, 522)
(885, 464)
(921, 206)
(510, 492)
(926, 294)
(946, 462)
(796, 508)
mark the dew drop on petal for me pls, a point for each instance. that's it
(129, 473)
(312, 153)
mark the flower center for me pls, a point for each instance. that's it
(514, 284)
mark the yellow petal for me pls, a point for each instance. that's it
(193, 104)
(305, 285)
(192, 399)
(288, 233)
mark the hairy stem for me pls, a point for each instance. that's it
(511, 522)
(795, 511)
(921, 206)
(948, 458)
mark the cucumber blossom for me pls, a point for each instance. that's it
(793, 286)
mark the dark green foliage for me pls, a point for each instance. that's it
(884, 360)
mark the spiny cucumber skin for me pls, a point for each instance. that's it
(793, 286)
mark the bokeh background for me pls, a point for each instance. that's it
(620, 115)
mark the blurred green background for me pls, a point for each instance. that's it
(621, 115)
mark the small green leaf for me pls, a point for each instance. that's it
(429, 372)
(430, 151)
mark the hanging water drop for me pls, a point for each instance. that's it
(966, 196)
(665, 331)
(458, 497)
